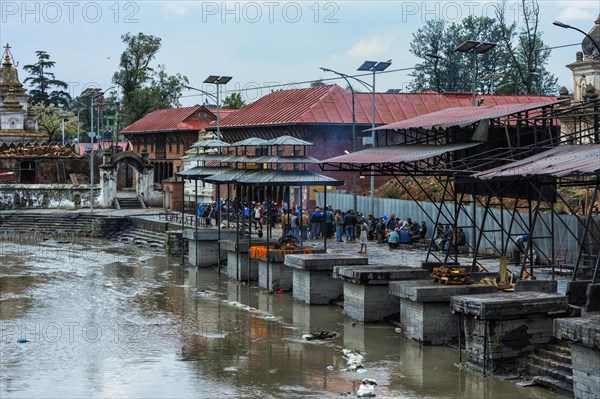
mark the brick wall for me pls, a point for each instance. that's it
(46, 171)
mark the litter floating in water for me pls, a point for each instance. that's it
(354, 360)
(367, 388)
(319, 335)
(330, 368)
(22, 340)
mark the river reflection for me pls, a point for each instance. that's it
(106, 321)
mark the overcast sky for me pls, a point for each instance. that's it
(259, 43)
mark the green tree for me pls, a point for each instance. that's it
(317, 83)
(50, 121)
(524, 54)
(234, 101)
(448, 70)
(519, 58)
(46, 89)
(145, 89)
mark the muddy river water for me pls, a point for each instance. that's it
(106, 320)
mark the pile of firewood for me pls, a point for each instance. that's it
(452, 276)
(39, 151)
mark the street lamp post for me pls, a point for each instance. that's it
(374, 67)
(218, 80)
(62, 127)
(92, 93)
(345, 77)
(565, 26)
(475, 47)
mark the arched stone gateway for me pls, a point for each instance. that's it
(143, 178)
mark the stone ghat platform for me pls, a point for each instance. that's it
(367, 296)
(273, 274)
(312, 276)
(498, 328)
(204, 245)
(239, 265)
(583, 335)
(425, 314)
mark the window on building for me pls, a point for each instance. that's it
(28, 172)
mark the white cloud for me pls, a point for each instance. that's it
(578, 11)
(179, 7)
(375, 47)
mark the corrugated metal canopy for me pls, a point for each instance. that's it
(227, 176)
(396, 154)
(250, 142)
(287, 140)
(561, 161)
(461, 116)
(283, 159)
(209, 157)
(200, 172)
(210, 144)
(269, 177)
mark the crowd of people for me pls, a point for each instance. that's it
(344, 226)
(351, 225)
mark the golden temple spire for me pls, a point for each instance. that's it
(7, 56)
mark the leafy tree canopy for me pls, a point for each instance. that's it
(46, 89)
(518, 62)
(50, 119)
(234, 101)
(145, 88)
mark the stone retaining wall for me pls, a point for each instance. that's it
(41, 196)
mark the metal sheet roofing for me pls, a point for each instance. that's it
(166, 120)
(208, 157)
(210, 144)
(287, 141)
(249, 142)
(396, 154)
(561, 161)
(283, 159)
(226, 176)
(200, 172)
(333, 105)
(461, 116)
(270, 177)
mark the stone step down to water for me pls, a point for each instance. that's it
(549, 366)
(502, 327)
(583, 336)
(313, 280)
(366, 289)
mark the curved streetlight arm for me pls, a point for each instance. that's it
(212, 96)
(561, 25)
(342, 75)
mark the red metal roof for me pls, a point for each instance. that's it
(102, 145)
(166, 120)
(333, 105)
(563, 160)
(396, 154)
(462, 116)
